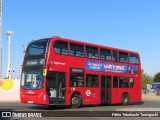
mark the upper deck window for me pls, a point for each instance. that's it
(76, 50)
(105, 54)
(123, 57)
(61, 47)
(35, 54)
(92, 52)
(36, 48)
(114, 56)
(134, 59)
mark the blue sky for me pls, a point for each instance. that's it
(127, 24)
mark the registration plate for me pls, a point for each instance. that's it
(30, 101)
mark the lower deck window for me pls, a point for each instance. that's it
(115, 81)
(131, 81)
(92, 80)
(123, 82)
(76, 80)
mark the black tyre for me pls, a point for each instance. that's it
(125, 99)
(52, 106)
(76, 101)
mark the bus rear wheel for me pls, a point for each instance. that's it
(76, 101)
(125, 99)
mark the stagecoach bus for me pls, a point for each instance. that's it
(60, 71)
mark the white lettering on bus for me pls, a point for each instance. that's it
(58, 63)
(109, 67)
(31, 62)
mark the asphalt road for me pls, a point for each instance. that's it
(92, 110)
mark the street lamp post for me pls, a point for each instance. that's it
(9, 70)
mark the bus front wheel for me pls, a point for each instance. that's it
(125, 99)
(76, 101)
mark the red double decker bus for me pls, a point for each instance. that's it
(60, 71)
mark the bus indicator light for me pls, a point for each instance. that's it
(44, 72)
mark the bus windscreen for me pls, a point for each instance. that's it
(32, 79)
(34, 61)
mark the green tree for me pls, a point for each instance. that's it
(157, 77)
(146, 79)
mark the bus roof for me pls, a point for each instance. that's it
(86, 43)
(91, 44)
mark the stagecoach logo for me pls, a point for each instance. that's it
(88, 92)
(58, 63)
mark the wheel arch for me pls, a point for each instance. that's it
(123, 94)
(126, 94)
(76, 92)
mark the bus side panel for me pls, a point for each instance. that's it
(135, 94)
(136, 90)
(115, 96)
(91, 96)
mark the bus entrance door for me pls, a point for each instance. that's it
(56, 87)
(105, 89)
